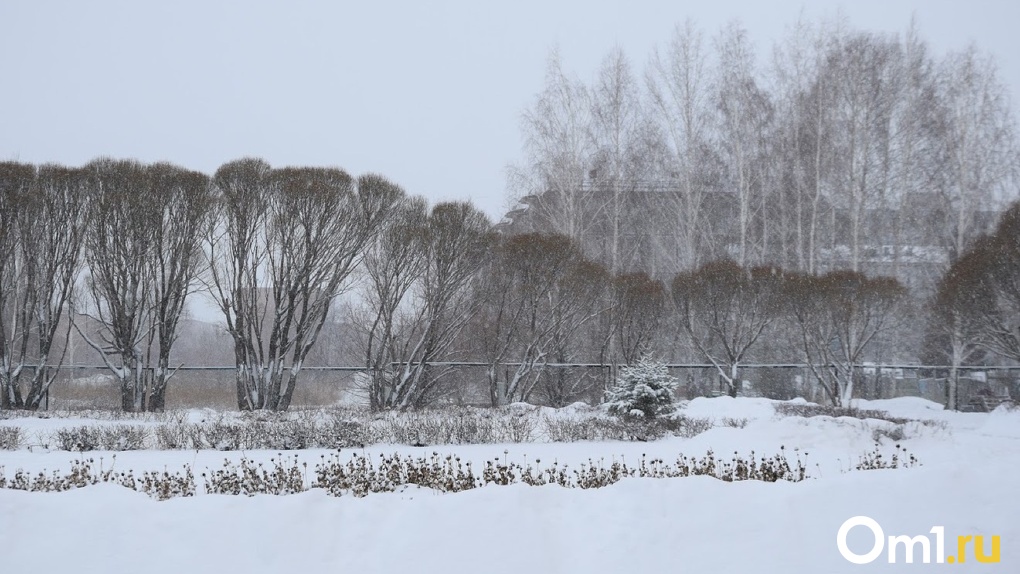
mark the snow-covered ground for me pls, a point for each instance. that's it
(967, 484)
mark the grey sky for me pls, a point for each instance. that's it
(427, 94)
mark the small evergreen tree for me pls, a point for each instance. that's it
(644, 390)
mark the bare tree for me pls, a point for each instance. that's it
(281, 252)
(680, 98)
(745, 111)
(978, 151)
(838, 315)
(184, 200)
(16, 182)
(619, 138)
(394, 262)
(456, 239)
(994, 263)
(724, 309)
(144, 257)
(554, 181)
(581, 297)
(803, 141)
(963, 301)
(860, 67)
(44, 218)
(914, 144)
(637, 314)
(535, 288)
(52, 227)
(119, 248)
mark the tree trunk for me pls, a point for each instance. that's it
(11, 398)
(37, 392)
(157, 394)
(288, 393)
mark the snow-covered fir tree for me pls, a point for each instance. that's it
(644, 390)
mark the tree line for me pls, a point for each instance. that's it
(839, 148)
(113, 250)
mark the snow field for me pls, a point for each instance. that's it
(695, 524)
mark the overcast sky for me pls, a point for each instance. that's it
(429, 94)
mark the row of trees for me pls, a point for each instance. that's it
(113, 250)
(841, 148)
(439, 287)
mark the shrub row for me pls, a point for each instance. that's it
(813, 410)
(359, 475)
(158, 485)
(349, 429)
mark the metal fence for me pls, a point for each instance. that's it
(92, 386)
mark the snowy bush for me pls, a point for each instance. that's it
(584, 429)
(644, 390)
(340, 432)
(437, 427)
(516, 427)
(808, 410)
(10, 438)
(86, 438)
(684, 426)
(178, 435)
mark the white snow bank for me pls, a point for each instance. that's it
(1002, 422)
(903, 407)
(717, 408)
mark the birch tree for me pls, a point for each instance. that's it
(978, 148)
(554, 180)
(745, 115)
(914, 148)
(859, 68)
(678, 88)
(803, 140)
(618, 170)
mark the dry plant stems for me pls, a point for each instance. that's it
(359, 475)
